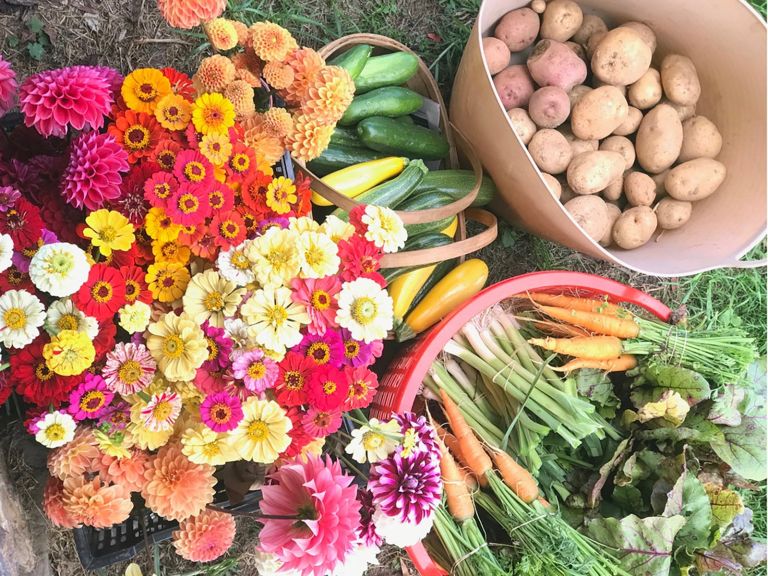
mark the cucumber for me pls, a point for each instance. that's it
(390, 101)
(393, 137)
(353, 60)
(457, 183)
(393, 191)
(346, 137)
(422, 241)
(337, 157)
(425, 201)
(437, 274)
(387, 70)
(407, 120)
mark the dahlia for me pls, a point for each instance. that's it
(306, 64)
(241, 94)
(205, 537)
(75, 458)
(221, 33)
(23, 224)
(35, 382)
(221, 412)
(144, 88)
(48, 100)
(393, 530)
(178, 345)
(187, 14)
(367, 531)
(419, 435)
(278, 75)
(21, 315)
(323, 498)
(262, 434)
(94, 503)
(8, 86)
(59, 269)
(329, 95)
(267, 144)
(309, 138)
(53, 504)
(271, 42)
(215, 73)
(177, 488)
(55, 429)
(93, 174)
(248, 67)
(127, 472)
(90, 399)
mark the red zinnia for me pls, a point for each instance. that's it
(362, 384)
(228, 228)
(203, 243)
(181, 84)
(327, 388)
(35, 382)
(137, 132)
(23, 223)
(304, 195)
(103, 293)
(15, 279)
(241, 163)
(292, 380)
(135, 287)
(251, 219)
(299, 436)
(359, 257)
(194, 168)
(105, 339)
(254, 191)
(165, 154)
(221, 198)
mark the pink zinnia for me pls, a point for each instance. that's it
(358, 353)
(323, 498)
(129, 368)
(189, 205)
(321, 423)
(8, 86)
(90, 399)
(293, 379)
(116, 418)
(159, 188)
(161, 411)
(78, 97)
(328, 388)
(193, 168)
(318, 296)
(210, 382)
(93, 174)
(221, 412)
(408, 489)
(362, 384)
(325, 349)
(8, 196)
(219, 348)
(255, 370)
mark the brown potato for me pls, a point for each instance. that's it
(672, 213)
(593, 43)
(496, 54)
(549, 107)
(552, 63)
(640, 189)
(646, 92)
(680, 80)
(695, 180)
(522, 124)
(598, 113)
(613, 212)
(631, 124)
(701, 139)
(579, 146)
(591, 172)
(613, 191)
(645, 32)
(514, 86)
(518, 29)
(623, 146)
(561, 20)
(597, 83)
(684, 112)
(538, 6)
(621, 58)
(591, 214)
(553, 184)
(550, 151)
(577, 92)
(658, 180)
(659, 139)
(634, 227)
(590, 25)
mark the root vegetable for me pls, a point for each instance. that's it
(575, 94)
(658, 179)
(621, 364)
(614, 190)
(659, 139)
(591, 172)
(518, 29)
(590, 25)
(673, 214)
(634, 227)
(601, 324)
(631, 124)
(539, 6)
(591, 347)
(646, 92)
(701, 139)
(496, 54)
(598, 83)
(567, 194)
(680, 80)
(552, 63)
(613, 213)
(640, 189)
(575, 302)
(695, 180)
(621, 57)
(519, 480)
(550, 151)
(683, 111)
(549, 107)
(579, 146)
(561, 20)
(645, 32)
(623, 146)
(594, 42)
(577, 49)
(553, 184)
(514, 86)
(522, 124)
(598, 113)
(590, 214)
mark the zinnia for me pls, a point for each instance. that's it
(178, 345)
(205, 537)
(129, 368)
(365, 309)
(263, 432)
(91, 399)
(211, 298)
(59, 269)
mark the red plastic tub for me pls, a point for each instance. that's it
(400, 386)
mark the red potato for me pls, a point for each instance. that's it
(549, 107)
(496, 54)
(554, 64)
(518, 29)
(514, 86)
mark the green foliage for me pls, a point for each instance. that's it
(32, 38)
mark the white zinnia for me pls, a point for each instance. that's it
(318, 254)
(303, 224)
(365, 309)
(268, 564)
(398, 533)
(55, 429)
(337, 229)
(238, 332)
(235, 266)
(357, 560)
(64, 315)
(274, 319)
(135, 317)
(6, 252)
(21, 315)
(59, 269)
(385, 229)
(374, 442)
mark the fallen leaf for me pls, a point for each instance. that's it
(435, 37)
(93, 21)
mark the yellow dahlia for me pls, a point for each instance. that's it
(211, 298)
(143, 89)
(174, 112)
(221, 33)
(329, 95)
(309, 138)
(240, 93)
(271, 42)
(215, 72)
(93, 503)
(213, 113)
(76, 457)
(178, 346)
(278, 75)
(205, 537)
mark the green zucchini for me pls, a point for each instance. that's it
(392, 191)
(423, 241)
(346, 137)
(457, 183)
(425, 201)
(392, 137)
(407, 120)
(437, 274)
(387, 70)
(390, 101)
(353, 60)
(337, 157)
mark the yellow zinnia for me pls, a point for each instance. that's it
(204, 446)
(217, 147)
(209, 297)
(274, 257)
(159, 226)
(144, 88)
(167, 280)
(263, 432)
(213, 113)
(170, 251)
(69, 353)
(281, 193)
(173, 112)
(109, 230)
(178, 346)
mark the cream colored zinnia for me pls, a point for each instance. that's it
(318, 254)
(178, 346)
(211, 298)
(274, 319)
(263, 432)
(274, 257)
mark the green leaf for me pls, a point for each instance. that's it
(689, 499)
(36, 50)
(754, 403)
(598, 389)
(619, 454)
(13, 41)
(630, 498)
(655, 380)
(743, 448)
(35, 25)
(726, 504)
(639, 466)
(725, 409)
(644, 545)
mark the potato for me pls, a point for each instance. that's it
(496, 54)
(597, 83)
(634, 227)
(538, 6)
(631, 124)
(577, 49)
(577, 92)
(646, 92)
(658, 180)
(550, 151)
(591, 214)
(672, 213)
(621, 58)
(567, 194)
(598, 113)
(553, 184)
(680, 80)
(514, 86)
(590, 25)
(659, 139)
(612, 212)
(518, 29)
(549, 107)
(522, 124)
(639, 188)
(554, 64)
(613, 191)
(695, 180)
(623, 146)
(701, 139)
(591, 172)
(579, 146)
(561, 20)
(594, 42)
(683, 111)
(645, 32)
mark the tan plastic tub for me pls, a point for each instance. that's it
(726, 40)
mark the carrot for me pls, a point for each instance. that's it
(457, 495)
(621, 364)
(588, 347)
(477, 460)
(452, 443)
(597, 323)
(560, 329)
(516, 477)
(576, 303)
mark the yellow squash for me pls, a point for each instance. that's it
(450, 230)
(458, 286)
(356, 179)
(404, 288)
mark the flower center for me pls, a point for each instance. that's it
(212, 115)
(61, 264)
(359, 389)
(42, 372)
(320, 352)
(130, 372)
(239, 260)
(136, 137)
(214, 302)
(240, 162)
(372, 441)
(277, 315)
(146, 92)
(229, 229)
(257, 370)
(257, 430)
(322, 419)
(213, 349)
(321, 300)
(173, 113)
(162, 190)
(101, 292)
(107, 234)
(329, 387)
(351, 349)
(92, 401)
(131, 290)
(173, 346)
(294, 380)
(194, 171)
(364, 310)
(55, 432)
(221, 413)
(15, 318)
(188, 203)
(216, 200)
(162, 411)
(166, 159)
(68, 322)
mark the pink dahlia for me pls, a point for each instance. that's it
(53, 504)
(322, 497)
(205, 537)
(408, 489)
(187, 14)
(93, 174)
(8, 86)
(54, 100)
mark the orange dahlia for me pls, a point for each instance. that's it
(176, 488)
(271, 42)
(309, 138)
(205, 537)
(221, 33)
(248, 67)
(279, 75)
(187, 14)
(53, 504)
(126, 472)
(93, 503)
(240, 93)
(75, 458)
(214, 73)
(279, 121)
(329, 95)
(306, 64)
(269, 146)
(243, 33)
